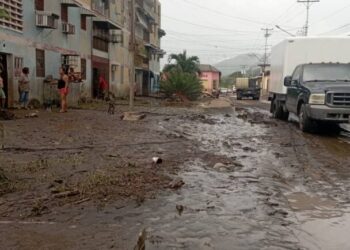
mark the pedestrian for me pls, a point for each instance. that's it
(24, 88)
(63, 87)
(103, 87)
(2, 92)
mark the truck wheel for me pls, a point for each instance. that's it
(277, 110)
(305, 123)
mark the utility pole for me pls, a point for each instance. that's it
(266, 35)
(132, 55)
(308, 4)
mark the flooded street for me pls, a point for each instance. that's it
(250, 182)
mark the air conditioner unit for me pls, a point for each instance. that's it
(68, 28)
(46, 20)
(116, 38)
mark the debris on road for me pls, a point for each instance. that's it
(157, 160)
(132, 116)
(176, 183)
(141, 241)
(180, 209)
(32, 115)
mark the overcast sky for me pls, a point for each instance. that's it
(220, 29)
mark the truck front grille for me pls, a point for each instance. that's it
(338, 99)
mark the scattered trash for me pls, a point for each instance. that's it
(157, 160)
(32, 115)
(141, 241)
(176, 183)
(132, 116)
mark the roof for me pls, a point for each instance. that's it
(208, 68)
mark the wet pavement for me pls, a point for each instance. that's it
(251, 182)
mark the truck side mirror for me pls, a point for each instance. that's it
(288, 81)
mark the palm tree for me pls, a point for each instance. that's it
(183, 63)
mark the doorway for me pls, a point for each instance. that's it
(4, 75)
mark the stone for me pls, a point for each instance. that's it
(176, 183)
(218, 166)
(133, 116)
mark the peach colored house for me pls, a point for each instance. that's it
(210, 76)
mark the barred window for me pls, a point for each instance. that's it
(40, 63)
(18, 66)
(14, 9)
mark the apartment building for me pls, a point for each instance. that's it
(91, 36)
(148, 47)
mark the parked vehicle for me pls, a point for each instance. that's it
(310, 77)
(246, 88)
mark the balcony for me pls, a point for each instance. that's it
(68, 28)
(46, 20)
(100, 7)
(70, 3)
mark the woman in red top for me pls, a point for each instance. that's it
(103, 86)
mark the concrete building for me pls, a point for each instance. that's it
(91, 36)
(210, 76)
(148, 52)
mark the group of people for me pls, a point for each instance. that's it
(66, 75)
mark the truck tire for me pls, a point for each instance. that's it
(278, 112)
(305, 123)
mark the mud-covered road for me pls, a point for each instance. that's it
(251, 182)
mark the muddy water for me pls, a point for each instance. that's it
(220, 208)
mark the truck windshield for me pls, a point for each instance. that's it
(326, 72)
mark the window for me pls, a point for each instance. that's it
(101, 39)
(64, 13)
(40, 63)
(297, 75)
(83, 23)
(39, 5)
(14, 9)
(83, 68)
(18, 66)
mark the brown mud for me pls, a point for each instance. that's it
(85, 180)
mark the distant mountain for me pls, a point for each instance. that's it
(237, 63)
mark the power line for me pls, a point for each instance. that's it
(308, 5)
(224, 14)
(204, 26)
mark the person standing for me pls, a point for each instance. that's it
(2, 92)
(24, 88)
(63, 87)
(103, 87)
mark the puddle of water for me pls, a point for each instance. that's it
(325, 233)
(321, 224)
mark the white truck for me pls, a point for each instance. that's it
(310, 77)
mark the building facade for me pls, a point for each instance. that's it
(148, 52)
(91, 36)
(210, 77)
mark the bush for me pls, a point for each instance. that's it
(186, 86)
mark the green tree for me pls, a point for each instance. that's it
(184, 85)
(4, 13)
(183, 63)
